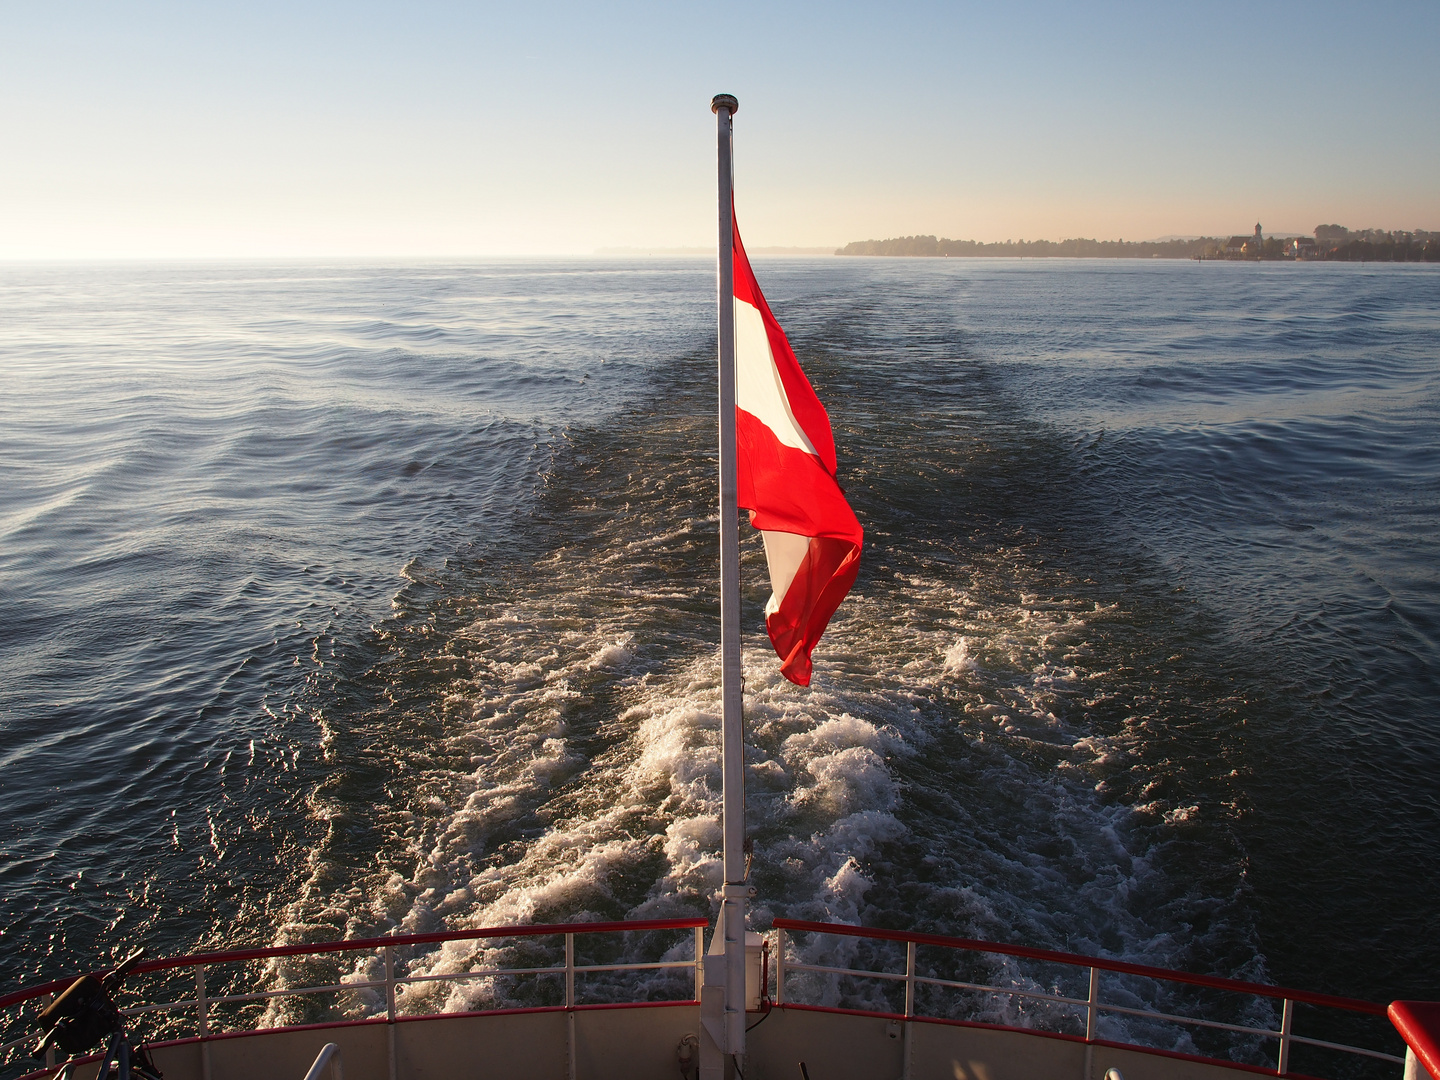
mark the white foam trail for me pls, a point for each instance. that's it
(939, 773)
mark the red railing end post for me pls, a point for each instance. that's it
(1418, 1023)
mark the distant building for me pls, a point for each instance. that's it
(1245, 247)
(1302, 247)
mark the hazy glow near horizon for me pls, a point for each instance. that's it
(450, 129)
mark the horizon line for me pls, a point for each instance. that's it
(626, 251)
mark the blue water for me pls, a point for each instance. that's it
(345, 598)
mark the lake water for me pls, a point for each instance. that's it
(343, 599)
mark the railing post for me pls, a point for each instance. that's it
(1287, 1017)
(909, 979)
(779, 966)
(699, 961)
(1092, 1021)
(389, 957)
(202, 1021)
(390, 1009)
(570, 1004)
(569, 971)
(909, 1006)
(1092, 1011)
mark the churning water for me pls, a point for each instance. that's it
(347, 599)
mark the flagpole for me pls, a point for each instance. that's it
(732, 920)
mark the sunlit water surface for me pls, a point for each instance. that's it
(355, 599)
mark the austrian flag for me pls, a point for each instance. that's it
(786, 479)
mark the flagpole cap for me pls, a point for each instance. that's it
(724, 101)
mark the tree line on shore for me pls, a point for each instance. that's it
(1332, 242)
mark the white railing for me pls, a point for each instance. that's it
(1092, 1004)
(329, 1055)
(202, 1006)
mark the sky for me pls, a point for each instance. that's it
(437, 129)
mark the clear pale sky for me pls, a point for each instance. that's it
(259, 128)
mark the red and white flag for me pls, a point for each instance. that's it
(786, 479)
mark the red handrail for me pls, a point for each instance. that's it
(353, 944)
(1074, 959)
(1419, 1025)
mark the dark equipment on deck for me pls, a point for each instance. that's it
(84, 1017)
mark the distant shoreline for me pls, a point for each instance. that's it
(1332, 242)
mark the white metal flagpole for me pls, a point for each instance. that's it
(731, 1038)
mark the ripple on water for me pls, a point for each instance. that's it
(382, 599)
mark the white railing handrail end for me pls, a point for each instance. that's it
(329, 1055)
